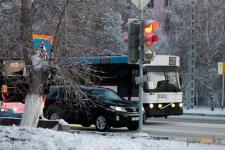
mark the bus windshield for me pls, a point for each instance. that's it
(16, 90)
(162, 79)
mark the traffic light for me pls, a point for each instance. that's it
(133, 40)
(149, 39)
(4, 89)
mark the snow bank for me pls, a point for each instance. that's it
(46, 139)
(205, 111)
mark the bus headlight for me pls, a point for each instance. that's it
(14, 109)
(151, 105)
(159, 105)
(181, 105)
(173, 105)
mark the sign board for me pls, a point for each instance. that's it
(13, 66)
(42, 39)
(221, 68)
(140, 4)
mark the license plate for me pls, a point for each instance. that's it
(135, 118)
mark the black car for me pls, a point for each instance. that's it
(91, 105)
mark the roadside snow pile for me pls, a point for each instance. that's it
(205, 111)
(63, 122)
(13, 137)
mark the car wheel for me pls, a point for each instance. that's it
(102, 123)
(54, 116)
(135, 127)
(55, 113)
(86, 125)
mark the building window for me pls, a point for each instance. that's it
(151, 4)
(168, 3)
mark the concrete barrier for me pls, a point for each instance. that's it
(59, 125)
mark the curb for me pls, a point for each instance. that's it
(211, 115)
(117, 134)
(50, 124)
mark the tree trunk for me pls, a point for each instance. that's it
(211, 99)
(33, 100)
(35, 90)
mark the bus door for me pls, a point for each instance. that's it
(126, 84)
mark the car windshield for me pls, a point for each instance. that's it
(104, 95)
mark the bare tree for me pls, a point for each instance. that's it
(77, 31)
(35, 75)
(209, 37)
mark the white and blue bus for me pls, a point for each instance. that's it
(162, 94)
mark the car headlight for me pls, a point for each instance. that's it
(118, 108)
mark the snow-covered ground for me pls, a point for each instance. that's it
(25, 138)
(205, 111)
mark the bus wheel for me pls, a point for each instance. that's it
(144, 118)
(102, 123)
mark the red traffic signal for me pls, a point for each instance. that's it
(126, 38)
(149, 39)
(149, 36)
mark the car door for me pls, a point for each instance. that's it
(83, 108)
(69, 102)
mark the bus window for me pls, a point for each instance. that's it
(162, 79)
(123, 83)
(107, 75)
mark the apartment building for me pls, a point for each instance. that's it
(162, 4)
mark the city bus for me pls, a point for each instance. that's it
(162, 95)
(13, 87)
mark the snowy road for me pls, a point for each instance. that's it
(181, 128)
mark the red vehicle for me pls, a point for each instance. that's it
(14, 88)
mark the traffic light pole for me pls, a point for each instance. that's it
(141, 75)
(222, 92)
